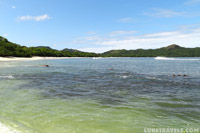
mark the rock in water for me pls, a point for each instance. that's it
(45, 65)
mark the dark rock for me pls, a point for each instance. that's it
(45, 65)
(179, 75)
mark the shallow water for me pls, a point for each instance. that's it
(100, 95)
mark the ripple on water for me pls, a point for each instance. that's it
(88, 96)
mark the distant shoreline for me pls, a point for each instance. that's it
(32, 58)
(9, 49)
(57, 58)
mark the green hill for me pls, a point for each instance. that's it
(11, 49)
(169, 51)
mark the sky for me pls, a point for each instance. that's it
(101, 25)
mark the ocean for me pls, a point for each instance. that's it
(99, 95)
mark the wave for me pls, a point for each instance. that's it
(7, 77)
(96, 58)
(153, 78)
(124, 76)
(168, 58)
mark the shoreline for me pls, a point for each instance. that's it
(33, 58)
(57, 58)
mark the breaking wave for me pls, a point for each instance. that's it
(7, 77)
(96, 58)
(168, 58)
(6, 129)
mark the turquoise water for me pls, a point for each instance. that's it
(100, 95)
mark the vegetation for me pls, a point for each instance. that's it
(170, 51)
(11, 49)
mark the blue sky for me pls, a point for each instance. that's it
(101, 25)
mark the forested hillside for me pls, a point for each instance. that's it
(170, 51)
(11, 49)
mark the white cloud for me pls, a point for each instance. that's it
(34, 18)
(164, 13)
(89, 38)
(185, 38)
(13, 7)
(162, 34)
(91, 33)
(5, 35)
(126, 20)
(192, 2)
(97, 50)
(121, 32)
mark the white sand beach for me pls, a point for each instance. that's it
(32, 58)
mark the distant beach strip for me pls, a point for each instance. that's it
(32, 58)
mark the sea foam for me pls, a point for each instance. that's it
(96, 58)
(6, 129)
(167, 58)
(7, 77)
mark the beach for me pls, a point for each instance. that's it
(32, 58)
